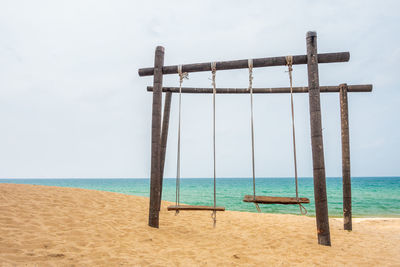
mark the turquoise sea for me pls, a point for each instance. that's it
(372, 196)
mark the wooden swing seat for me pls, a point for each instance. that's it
(276, 200)
(191, 207)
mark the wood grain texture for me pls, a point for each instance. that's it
(274, 90)
(344, 118)
(243, 63)
(275, 200)
(321, 200)
(155, 191)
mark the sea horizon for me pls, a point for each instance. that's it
(371, 196)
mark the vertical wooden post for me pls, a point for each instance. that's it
(344, 118)
(164, 137)
(155, 177)
(320, 196)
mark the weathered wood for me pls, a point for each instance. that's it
(276, 90)
(275, 200)
(155, 191)
(321, 200)
(190, 207)
(344, 118)
(164, 137)
(243, 63)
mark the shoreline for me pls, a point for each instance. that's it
(375, 216)
(50, 225)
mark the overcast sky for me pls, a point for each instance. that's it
(72, 104)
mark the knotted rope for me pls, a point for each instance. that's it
(250, 65)
(289, 63)
(178, 161)
(213, 71)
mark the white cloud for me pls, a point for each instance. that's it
(72, 104)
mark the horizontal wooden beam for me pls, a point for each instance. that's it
(277, 90)
(243, 63)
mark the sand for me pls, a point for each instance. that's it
(54, 226)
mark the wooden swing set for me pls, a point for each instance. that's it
(160, 134)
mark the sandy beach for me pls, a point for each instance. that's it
(54, 226)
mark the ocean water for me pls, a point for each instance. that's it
(371, 196)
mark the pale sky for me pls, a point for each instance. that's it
(72, 104)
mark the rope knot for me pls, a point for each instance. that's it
(213, 72)
(182, 75)
(213, 67)
(250, 66)
(289, 62)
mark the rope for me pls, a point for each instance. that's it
(213, 71)
(250, 65)
(303, 210)
(178, 161)
(289, 63)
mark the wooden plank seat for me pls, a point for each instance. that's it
(191, 207)
(276, 200)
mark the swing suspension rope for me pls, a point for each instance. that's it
(250, 65)
(178, 161)
(213, 71)
(289, 63)
(183, 76)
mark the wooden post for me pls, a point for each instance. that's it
(321, 201)
(164, 137)
(155, 177)
(344, 117)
